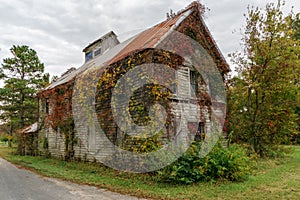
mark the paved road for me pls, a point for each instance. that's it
(19, 184)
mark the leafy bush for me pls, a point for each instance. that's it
(3, 139)
(143, 144)
(229, 163)
(278, 151)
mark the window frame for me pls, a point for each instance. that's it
(193, 83)
(97, 52)
(88, 56)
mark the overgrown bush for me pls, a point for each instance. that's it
(143, 144)
(230, 163)
(278, 151)
(3, 139)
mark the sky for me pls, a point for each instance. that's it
(59, 29)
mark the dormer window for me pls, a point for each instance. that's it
(100, 46)
(88, 56)
(97, 52)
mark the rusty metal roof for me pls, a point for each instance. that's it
(30, 129)
(150, 37)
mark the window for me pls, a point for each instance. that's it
(88, 56)
(97, 52)
(193, 83)
(200, 134)
(91, 138)
(47, 106)
(173, 87)
(201, 127)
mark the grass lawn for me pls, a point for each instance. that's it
(273, 179)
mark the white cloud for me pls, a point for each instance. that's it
(59, 30)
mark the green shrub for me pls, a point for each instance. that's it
(229, 163)
(4, 139)
(278, 151)
(143, 144)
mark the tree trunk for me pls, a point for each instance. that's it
(10, 134)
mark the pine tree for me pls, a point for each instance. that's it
(23, 75)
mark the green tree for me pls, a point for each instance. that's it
(23, 75)
(295, 24)
(263, 97)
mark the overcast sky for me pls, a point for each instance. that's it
(59, 29)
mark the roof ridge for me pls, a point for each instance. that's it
(194, 4)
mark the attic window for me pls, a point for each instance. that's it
(47, 106)
(88, 56)
(193, 83)
(97, 52)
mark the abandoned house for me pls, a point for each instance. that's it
(68, 130)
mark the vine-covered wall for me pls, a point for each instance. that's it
(61, 139)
